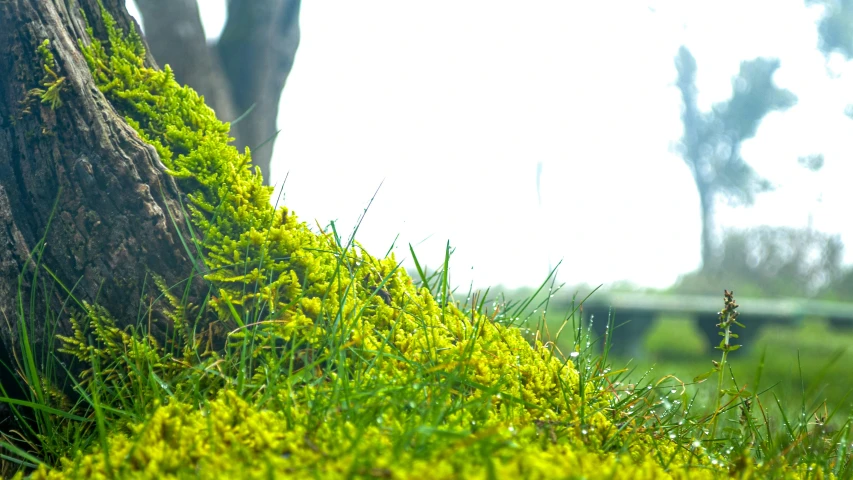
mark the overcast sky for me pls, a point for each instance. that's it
(452, 104)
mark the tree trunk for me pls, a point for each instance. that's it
(706, 201)
(77, 176)
(243, 73)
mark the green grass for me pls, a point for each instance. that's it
(656, 392)
(660, 340)
(823, 355)
(788, 424)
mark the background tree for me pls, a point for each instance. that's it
(243, 73)
(835, 31)
(835, 28)
(712, 140)
(835, 35)
(770, 261)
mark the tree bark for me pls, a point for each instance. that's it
(245, 70)
(80, 178)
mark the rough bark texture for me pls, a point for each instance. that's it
(84, 166)
(246, 69)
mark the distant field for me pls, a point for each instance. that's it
(810, 358)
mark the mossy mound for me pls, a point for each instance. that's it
(232, 439)
(343, 367)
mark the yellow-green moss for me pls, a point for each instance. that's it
(51, 82)
(525, 418)
(231, 439)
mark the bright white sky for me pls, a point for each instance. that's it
(454, 103)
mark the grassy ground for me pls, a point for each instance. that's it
(809, 360)
(798, 364)
(323, 361)
(132, 406)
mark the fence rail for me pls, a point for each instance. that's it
(634, 313)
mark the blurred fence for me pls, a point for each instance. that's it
(634, 313)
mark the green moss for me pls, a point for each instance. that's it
(331, 378)
(52, 83)
(231, 439)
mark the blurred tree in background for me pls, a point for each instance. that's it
(712, 140)
(243, 73)
(772, 262)
(835, 35)
(835, 31)
(836, 27)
